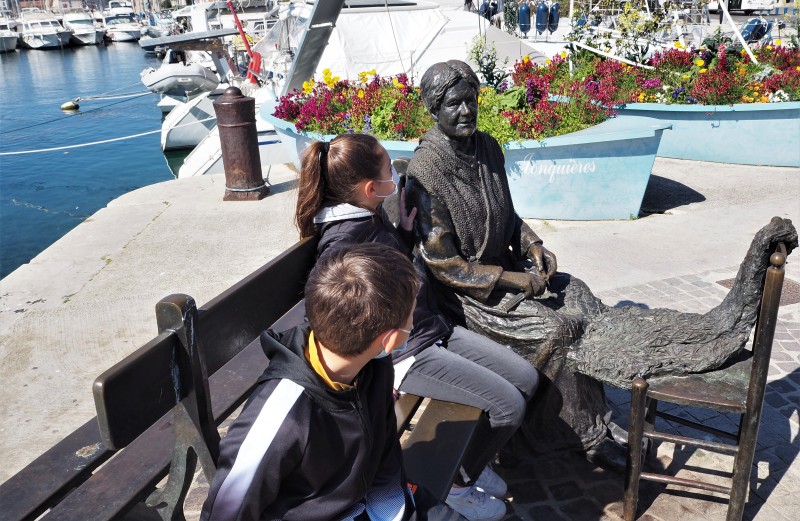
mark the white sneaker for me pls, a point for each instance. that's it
(476, 505)
(491, 483)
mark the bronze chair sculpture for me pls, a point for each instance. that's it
(737, 388)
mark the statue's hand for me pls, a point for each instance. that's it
(544, 260)
(406, 217)
(525, 282)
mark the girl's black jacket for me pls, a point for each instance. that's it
(429, 324)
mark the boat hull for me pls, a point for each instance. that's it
(598, 173)
(749, 133)
(179, 79)
(8, 43)
(189, 123)
(91, 37)
(120, 35)
(45, 40)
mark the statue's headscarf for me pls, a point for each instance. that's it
(438, 79)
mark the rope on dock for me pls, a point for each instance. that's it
(67, 116)
(118, 96)
(66, 147)
(81, 145)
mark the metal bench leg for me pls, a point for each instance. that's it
(633, 466)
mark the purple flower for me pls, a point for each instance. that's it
(652, 83)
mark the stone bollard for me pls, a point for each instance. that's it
(236, 119)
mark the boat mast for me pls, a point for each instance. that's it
(315, 39)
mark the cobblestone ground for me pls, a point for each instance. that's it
(567, 487)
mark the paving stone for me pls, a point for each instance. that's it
(566, 490)
(546, 512)
(530, 491)
(581, 509)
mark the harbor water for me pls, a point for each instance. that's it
(43, 195)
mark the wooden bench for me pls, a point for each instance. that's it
(158, 409)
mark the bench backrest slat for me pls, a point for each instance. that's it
(134, 393)
(232, 320)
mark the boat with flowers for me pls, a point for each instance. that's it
(564, 160)
(723, 106)
(729, 97)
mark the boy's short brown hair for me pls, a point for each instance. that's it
(355, 293)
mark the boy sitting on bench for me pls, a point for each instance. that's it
(317, 439)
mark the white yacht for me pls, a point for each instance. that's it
(120, 21)
(392, 38)
(8, 36)
(84, 32)
(41, 30)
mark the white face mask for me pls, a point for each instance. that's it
(399, 349)
(395, 179)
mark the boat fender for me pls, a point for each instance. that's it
(70, 106)
(541, 17)
(552, 24)
(525, 18)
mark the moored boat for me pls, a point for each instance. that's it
(41, 30)
(8, 37)
(122, 28)
(84, 32)
(120, 21)
(179, 77)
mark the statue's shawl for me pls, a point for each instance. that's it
(473, 188)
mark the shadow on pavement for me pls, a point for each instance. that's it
(664, 194)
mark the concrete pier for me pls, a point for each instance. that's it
(88, 301)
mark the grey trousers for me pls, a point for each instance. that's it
(471, 369)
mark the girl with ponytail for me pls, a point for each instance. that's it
(343, 186)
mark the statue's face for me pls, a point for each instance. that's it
(458, 114)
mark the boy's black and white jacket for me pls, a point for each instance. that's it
(302, 451)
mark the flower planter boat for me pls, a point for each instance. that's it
(747, 133)
(597, 173)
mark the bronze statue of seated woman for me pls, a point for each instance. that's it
(495, 277)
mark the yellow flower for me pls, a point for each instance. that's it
(703, 71)
(678, 45)
(480, 98)
(742, 71)
(777, 42)
(547, 62)
(308, 86)
(769, 47)
(699, 62)
(685, 77)
(360, 94)
(525, 59)
(764, 99)
(798, 67)
(564, 53)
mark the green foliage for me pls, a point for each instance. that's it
(491, 108)
(486, 57)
